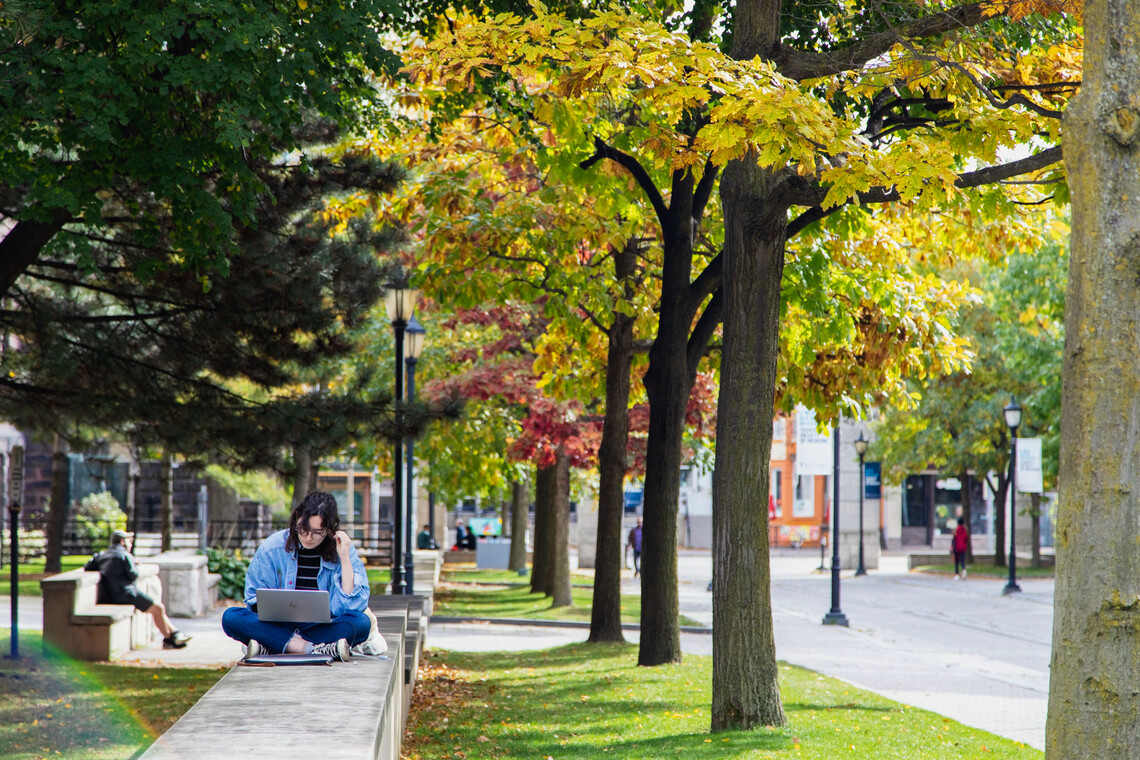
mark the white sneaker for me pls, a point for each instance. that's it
(963, 575)
(956, 577)
(338, 650)
(252, 649)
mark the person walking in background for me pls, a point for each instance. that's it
(634, 543)
(117, 576)
(959, 544)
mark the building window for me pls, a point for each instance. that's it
(779, 429)
(803, 505)
(914, 502)
(776, 490)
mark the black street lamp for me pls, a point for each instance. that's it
(401, 302)
(835, 615)
(861, 450)
(1012, 414)
(413, 345)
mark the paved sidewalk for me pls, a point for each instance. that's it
(959, 649)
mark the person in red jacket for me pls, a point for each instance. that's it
(959, 545)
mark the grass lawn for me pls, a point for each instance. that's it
(492, 601)
(593, 701)
(31, 572)
(470, 575)
(979, 570)
(86, 711)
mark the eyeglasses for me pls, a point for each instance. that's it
(304, 530)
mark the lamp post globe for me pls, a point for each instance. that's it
(1012, 414)
(861, 449)
(400, 301)
(413, 345)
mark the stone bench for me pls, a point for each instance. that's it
(188, 588)
(76, 625)
(356, 709)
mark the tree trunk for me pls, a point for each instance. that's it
(541, 564)
(745, 687)
(58, 509)
(167, 506)
(1035, 522)
(559, 582)
(518, 526)
(302, 473)
(668, 382)
(605, 614)
(999, 518)
(967, 509)
(1094, 705)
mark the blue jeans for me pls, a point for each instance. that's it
(241, 623)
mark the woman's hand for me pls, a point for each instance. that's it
(343, 544)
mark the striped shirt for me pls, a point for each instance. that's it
(308, 564)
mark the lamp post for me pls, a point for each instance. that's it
(401, 302)
(835, 615)
(413, 345)
(1012, 414)
(861, 450)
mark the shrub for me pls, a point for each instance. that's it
(97, 515)
(231, 566)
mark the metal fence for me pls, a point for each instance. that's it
(229, 535)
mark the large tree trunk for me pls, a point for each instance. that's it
(745, 688)
(518, 526)
(558, 587)
(542, 563)
(1094, 705)
(57, 511)
(167, 505)
(605, 614)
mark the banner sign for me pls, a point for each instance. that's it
(1029, 476)
(872, 480)
(814, 454)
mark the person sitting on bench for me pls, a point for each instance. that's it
(117, 576)
(313, 553)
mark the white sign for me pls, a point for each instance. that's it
(1029, 476)
(16, 475)
(814, 455)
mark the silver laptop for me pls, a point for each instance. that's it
(276, 605)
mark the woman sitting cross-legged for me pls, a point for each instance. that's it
(311, 554)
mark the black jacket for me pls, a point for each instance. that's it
(117, 575)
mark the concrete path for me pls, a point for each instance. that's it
(957, 648)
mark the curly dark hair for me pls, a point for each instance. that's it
(319, 503)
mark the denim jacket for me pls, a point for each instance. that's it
(273, 567)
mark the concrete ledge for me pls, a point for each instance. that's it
(76, 625)
(354, 709)
(920, 559)
(186, 588)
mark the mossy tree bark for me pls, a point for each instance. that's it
(1094, 705)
